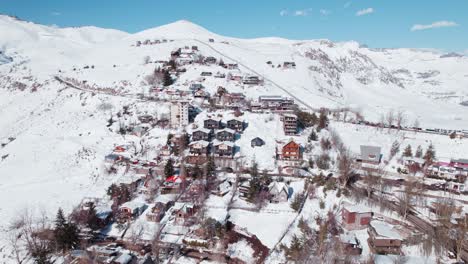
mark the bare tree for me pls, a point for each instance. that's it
(406, 198)
(146, 59)
(400, 118)
(370, 182)
(345, 167)
(390, 118)
(459, 234)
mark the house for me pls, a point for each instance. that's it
(212, 123)
(289, 124)
(196, 86)
(206, 74)
(232, 66)
(291, 151)
(350, 244)
(179, 113)
(222, 189)
(158, 211)
(257, 142)
(252, 80)
(183, 212)
(200, 93)
(210, 60)
(194, 48)
(233, 99)
(145, 119)
(201, 134)
(289, 65)
(112, 159)
(383, 238)
(199, 148)
(220, 75)
(244, 189)
(130, 210)
(370, 154)
(123, 258)
(235, 76)
(279, 192)
(235, 124)
(355, 217)
(276, 102)
(223, 148)
(226, 134)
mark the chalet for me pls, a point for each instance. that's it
(172, 182)
(223, 149)
(252, 80)
(145, 119)
(200, 93)
(384, 239)
(158, 211)
(235, 124)
(355, 217)
(210, 60)
(289, 124)
(291, 151)
(184, 60)
(131, 210)
(244, 189)
(194, 192)
(408, 161)
(206, 74)
(289, 65)
(212, 123)
(226, 134)
(279, 192)
(199, 148)
(233, 99)
(194, 48)
(257, 142)
(183, 213)
(201, 134)
(350, 244)
(222, 189)
(370, 154)
(276, 102)
(232, 66)
(234, 76)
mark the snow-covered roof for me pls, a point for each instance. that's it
(134, 204)
(385, 230)
(202, 129)
(349, 238)
(226, 130)
(417, 160)
(227, 143)
(356, 208)
(203, 143)
(277, 187)
(123, 259)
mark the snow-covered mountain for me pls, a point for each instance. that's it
(54, 138)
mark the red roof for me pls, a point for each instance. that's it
(172, 178)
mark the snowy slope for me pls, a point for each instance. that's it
(60, 136)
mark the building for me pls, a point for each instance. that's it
(223, 149)
(179, 114)
(130, 210)
(201, 134)
(158, 211)
(252, 80)
(226, 134)
(212, 123)
(279, 192)
(235, 124)
(289, 65)
(384, 239)
(355, 217)
(257, 142)
(183, 213)
(291, 151)
(351, 245)
(276, 102)
(289, 124)
(370, 154)
(199, 148)
(210, 60)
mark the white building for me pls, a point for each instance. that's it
(179, 113)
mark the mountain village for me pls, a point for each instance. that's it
(210, 166)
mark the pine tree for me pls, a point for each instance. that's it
(169, 168)
(66, 233)
(92, 219)
(395, 148)
(419, 152)
(313, 136)
(167, 79)
(60, 220)
(430, 155)
(210, 167)
(408, 152)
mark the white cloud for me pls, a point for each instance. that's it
(437, 24)
(366, 11)
(303, 12)
(284, 12)
(325, 12)
(55, 13)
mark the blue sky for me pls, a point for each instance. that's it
(440, 24)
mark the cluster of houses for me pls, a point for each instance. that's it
(285, 65)
(274, 103)
(151, 42)
(455, 171)
(384, 238)
(215, 137)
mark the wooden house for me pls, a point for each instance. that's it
(201, 134)
(355, 217)
(291, 151)
(226, 135)
(384, 239)
(130, 210)
(183, 212)
(199, 148)
(350, 244)
(235, 124)
(212, 123)
(158, 211)
(223, 149)
(279, 192)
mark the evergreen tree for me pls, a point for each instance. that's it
(66, 233)
(167, 79)
(313, 136)
(60, 220)
(430, 155)
(113, 190)
(210, 167)
(419, 152)
(408, 151)
(92, 219)
(394, 149)
(169, 168)
(255, 185)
